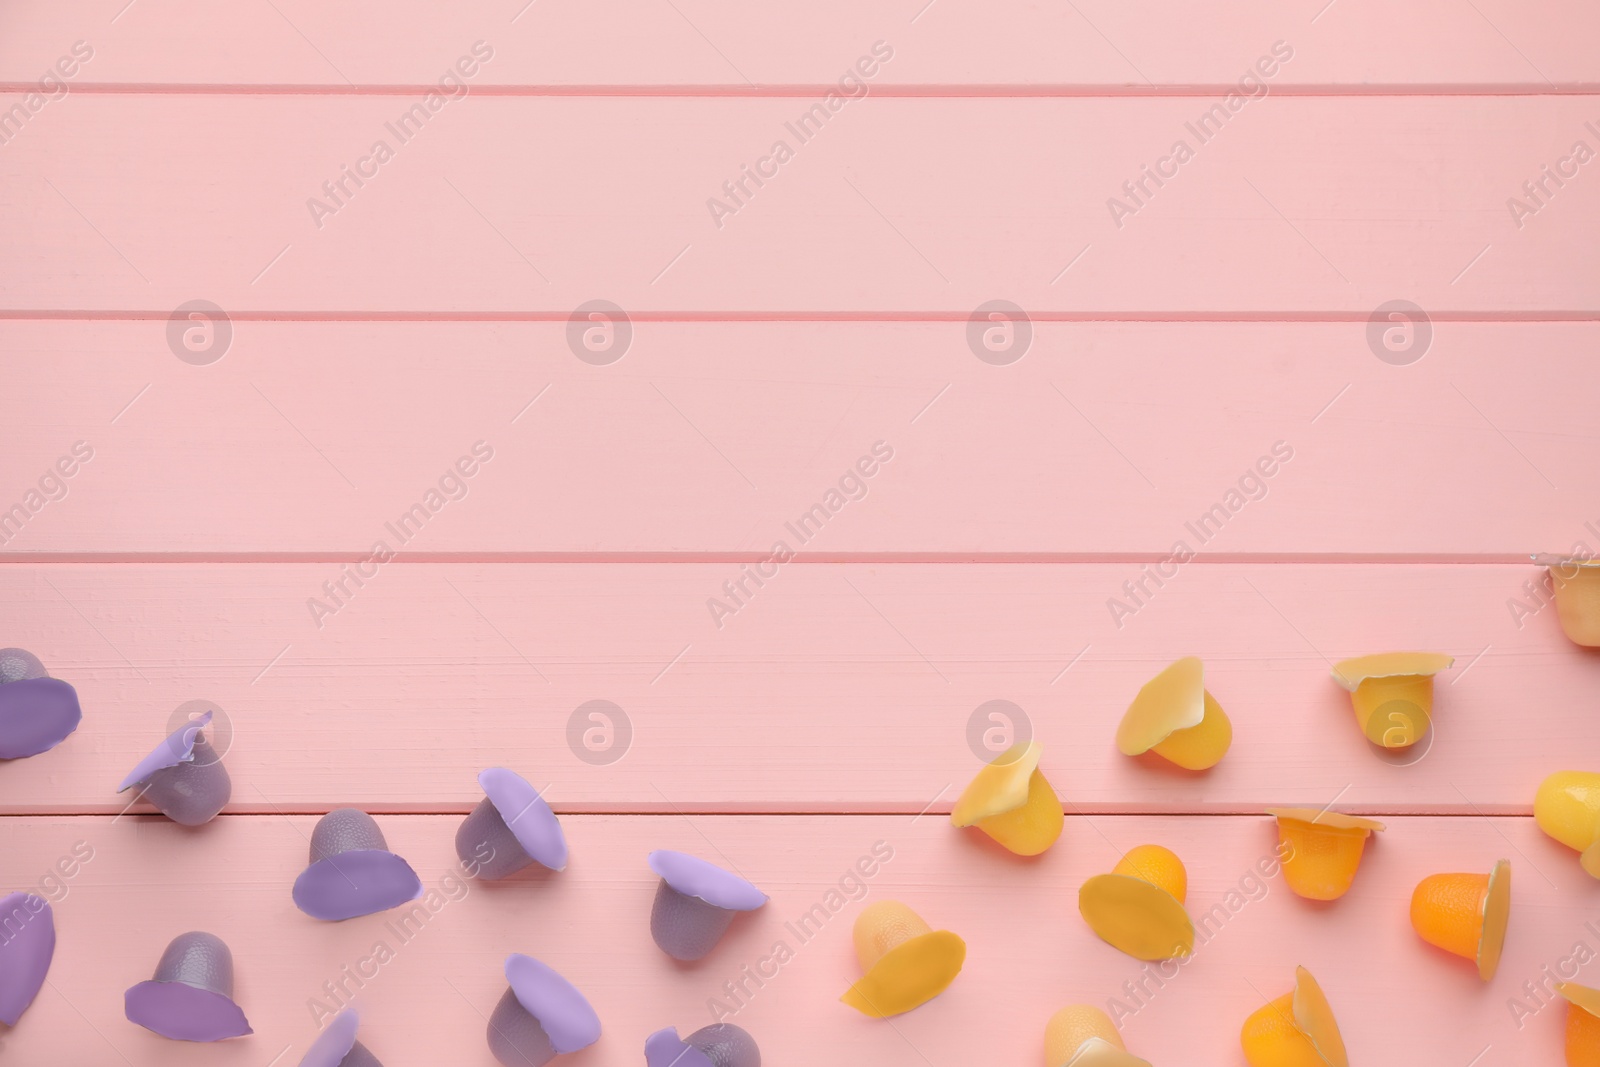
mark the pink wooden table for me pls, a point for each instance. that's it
(396, 515)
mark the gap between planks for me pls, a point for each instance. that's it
(1496, 559)
(1491, 317)
(918, 91)
(248, 811)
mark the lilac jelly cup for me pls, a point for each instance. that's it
(540, 1017)
(37, 712)
(337, 1045)
(352, 871)
(27, 945)
(717, 1045)
(695, 903)
(511, 828)
(191, 996)
(183, 777)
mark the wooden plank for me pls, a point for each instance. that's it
(430, 672)
(1104, 439)
(425, 1004)
(1294, 206)
(717, 44)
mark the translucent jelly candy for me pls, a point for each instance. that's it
(540, 1017)
(352, 871)
(717, 1045)
(184, 777)
(1322, 850)
(1567, 807)
(1392, 693)
(1081, 1035)
(1577, 585)
(27, 945)
(1296, 1030)
(1011, 802)
(1583, 1024)
(1138, 907)
(191, 996)
(1465, 914)
(511, 828)
(1175, 715)
(37, 712)
(695, 903)
(337, 1046)
(906, 963)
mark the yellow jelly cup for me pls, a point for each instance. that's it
(1296, 1030)
(1138, 907)
(906, 963)
(1174, 716)
(1583, 1024)
(1081, 1035)
(1011, 802)
(1322, 850)
(1576, 581)
(1465, 914)
(1392, 693)
(1567, 807)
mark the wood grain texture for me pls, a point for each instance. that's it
(1029, 953)
(176, 528)
(707, 439)
(1295, 206)
(431, 672)
(718, 44)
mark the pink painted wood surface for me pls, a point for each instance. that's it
(1353, 45)
(844, 703)
(432, 672)
(1103, 440)
(1296, 206)
(1029, 953)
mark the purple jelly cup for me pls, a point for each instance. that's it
(183, 777)
(352, 871)
(540, 1017)
(191, 996)
(695, 903)
(337, 1046)
(37, 712)
(717, 1045)
(27, 945)
(511, 828)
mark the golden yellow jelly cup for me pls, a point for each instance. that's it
(1174, 716)
(1011, 801)
(1583, 1024)
(1321, 850)
(906, 962)
(1081, 1035)
(1465, 914)
(1392, 694)
(1576, 581)
(1296, 1030)
(1567, 807)
(1138, 907)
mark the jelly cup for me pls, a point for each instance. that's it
(1011, 802)
(1138, 907)
(905, 962)
(1583, 1024)
(1081, 1035)
(1465, 914)
(1296, 1030)
(1174, 716)
(1567, 807)
(1392, 694)
(1322, 850)
(1576, 581)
